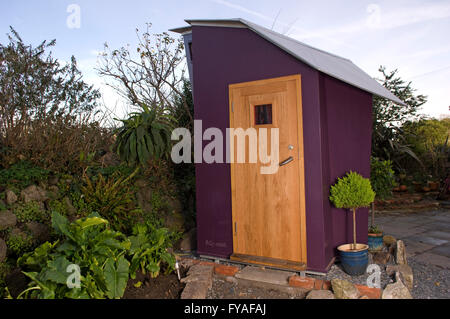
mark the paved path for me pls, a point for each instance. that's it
(425, 234)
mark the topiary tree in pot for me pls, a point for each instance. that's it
(352, 192)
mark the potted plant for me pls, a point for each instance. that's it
(352, 192)
(375, 238)
(433, 185)
(382, 178)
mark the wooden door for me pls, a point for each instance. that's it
(269, 209)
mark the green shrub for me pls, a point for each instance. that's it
(382, 177)
(31, 211)
(102, 255)
(87, 243)
(429, 139)
(375, 230)
(112, 198)
(149, 250)
(20, 243)
(352, 191)
(4, 270)
(109, 171)
(144, 135)
(22, 174)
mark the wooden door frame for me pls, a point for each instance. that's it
(302, 208)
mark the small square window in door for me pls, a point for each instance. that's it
(263, 114)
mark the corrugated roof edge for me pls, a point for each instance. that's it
(247, 24)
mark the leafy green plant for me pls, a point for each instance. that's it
(352, 191)
(388, 139)
(19, 244)
(144, 135)
(102, 255)
(98, 252)
(22, 174)
(111, 198)
(373, 229)
(31, 211)
(149, 250)
(382, 177)
(4, 270)
(429, 140)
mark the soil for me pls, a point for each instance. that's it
(161, 287)
(16, 282)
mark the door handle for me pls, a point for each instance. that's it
(286, 161)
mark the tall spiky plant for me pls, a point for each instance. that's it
(144, 135)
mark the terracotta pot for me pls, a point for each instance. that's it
(417, 186)
(434, 186)
(403, 188)
(426, 189)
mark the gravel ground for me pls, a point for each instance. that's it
(336, 271)
(430, 282)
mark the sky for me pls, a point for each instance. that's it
(411, 36)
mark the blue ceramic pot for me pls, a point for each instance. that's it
(375, 242)
(354, 261)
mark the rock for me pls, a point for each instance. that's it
(198, 282)
(52, 192)
(39, 232)
(189, 240)
(34, 193)
(396, 290)
(110, 159)
(389, 240)
(10, 197)
(344, 289)
(141, 183)
(7, 219)
(320, 294)
(406, 274)
(144, 196)
(53, 180)
(3, 249)
(71, 211)
(381, 257)
(400, 253)
(174, 205)
(17, 232)
(174, 221)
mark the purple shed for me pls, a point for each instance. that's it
(248, 77)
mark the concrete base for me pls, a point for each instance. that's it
(270, 276)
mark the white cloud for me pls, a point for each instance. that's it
(298, 32)
(386, 19)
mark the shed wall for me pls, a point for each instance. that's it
(222, 56)
(346, 144)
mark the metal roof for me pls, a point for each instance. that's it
(333, 65)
